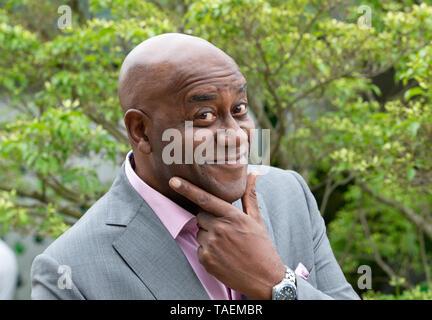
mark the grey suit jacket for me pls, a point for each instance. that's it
(119, 249)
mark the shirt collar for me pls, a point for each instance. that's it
(172, 216)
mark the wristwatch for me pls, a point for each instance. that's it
(286, 289)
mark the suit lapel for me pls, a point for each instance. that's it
(154, 256)
(148, 248)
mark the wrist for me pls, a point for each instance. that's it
(276, 276)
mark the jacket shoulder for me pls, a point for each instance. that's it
(83, 236)
(289, 202)
(276, 181)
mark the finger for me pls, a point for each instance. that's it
(202, 198)
(200, 252)
(249, 199)
(205, 220)
(202, 237)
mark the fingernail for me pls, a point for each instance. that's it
(255, 173)
(174, 182)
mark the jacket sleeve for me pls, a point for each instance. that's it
(331, 282)
(47, 282)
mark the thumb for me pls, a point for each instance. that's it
(249, 199)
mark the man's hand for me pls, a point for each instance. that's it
(234, 247)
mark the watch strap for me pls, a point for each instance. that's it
(288, 279)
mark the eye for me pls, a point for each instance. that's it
(208, 116)
(240, 109)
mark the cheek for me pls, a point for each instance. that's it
(249, 128)
(247, 124)
(168, 137)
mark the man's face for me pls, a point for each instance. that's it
(213, 98)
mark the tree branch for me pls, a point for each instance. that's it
(377, 256)
(424, 256)
(108, 126)
(63, 191)
(43, 201)
(348, 243)
(421, 222)
(330, 188)
(299, 40)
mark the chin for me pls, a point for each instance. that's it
(225, 182)
(229, 191)
(232, 196)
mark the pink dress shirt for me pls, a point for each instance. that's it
(182, 226)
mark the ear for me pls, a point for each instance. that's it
(138, 126)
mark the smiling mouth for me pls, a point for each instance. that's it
(238, 161)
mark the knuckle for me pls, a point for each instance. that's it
(212, 242)
(200, 253)
(185, 187)
(201, 217)
(252, 194)
(204, 256)
(209, 264)
(236, 218)
(219, 229)
(202, 200)
(200, 236)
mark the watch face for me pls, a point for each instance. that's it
(287, 292)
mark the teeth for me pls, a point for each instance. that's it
(242, 160)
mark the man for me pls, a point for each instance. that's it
(184, 229)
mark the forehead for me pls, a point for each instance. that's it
(211, 81)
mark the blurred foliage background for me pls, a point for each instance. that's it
(349, 108)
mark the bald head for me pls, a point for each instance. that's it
(165, 65)
(165, 84)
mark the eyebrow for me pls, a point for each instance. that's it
(203, 97)
(242, 88)
(212, 96)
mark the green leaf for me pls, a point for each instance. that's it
(413, 92)
(413, 128)
(411, 172)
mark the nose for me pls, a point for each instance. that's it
(232, 136)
